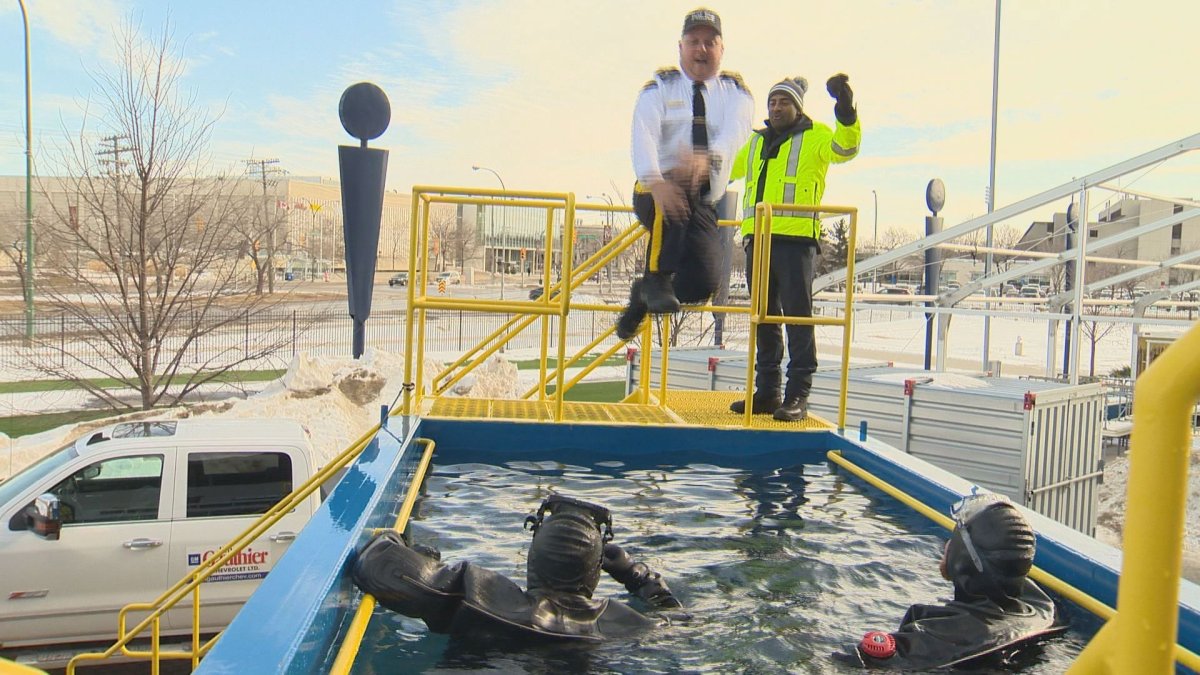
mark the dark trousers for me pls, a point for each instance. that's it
(789, 293)
(689, 248)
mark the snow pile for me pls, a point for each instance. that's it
(335, 399)
(1110, 523)
(495, 379)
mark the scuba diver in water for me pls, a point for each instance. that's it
(571, 545)
(996, 608)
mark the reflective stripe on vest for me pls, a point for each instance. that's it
(748, 198)
(789, 188)
(793, 166)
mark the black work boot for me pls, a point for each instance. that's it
(658, 293)
(794, 409)
(631, 319)
(763, 403)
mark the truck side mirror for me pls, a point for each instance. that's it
(44, 517)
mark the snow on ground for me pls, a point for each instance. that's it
(1110, 521)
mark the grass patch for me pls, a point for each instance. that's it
(235, 376)
(599, 392)
(534, 364)
(24, 425)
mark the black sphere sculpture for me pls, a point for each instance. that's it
(365, 111)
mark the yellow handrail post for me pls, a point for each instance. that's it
(407, 391)
(1141, 637)
(848, 315)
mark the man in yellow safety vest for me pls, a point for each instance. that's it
(785, 163)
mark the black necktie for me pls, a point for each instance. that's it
(699, 126)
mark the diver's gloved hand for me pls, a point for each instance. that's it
(424, 549)
(838, 87)
(637, 577)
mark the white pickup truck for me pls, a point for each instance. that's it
(121, 514)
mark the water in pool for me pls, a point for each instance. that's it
(780, 567)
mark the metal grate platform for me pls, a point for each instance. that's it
(685, 408)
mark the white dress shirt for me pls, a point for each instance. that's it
(662, 125)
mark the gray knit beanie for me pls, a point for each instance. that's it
(793, 87)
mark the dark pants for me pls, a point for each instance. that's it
(789, 293)
(690, 248)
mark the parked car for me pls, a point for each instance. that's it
(1032, 292)
(118, 515)
(449, 276)
(398, 279)
(739, 289)
(895, 290)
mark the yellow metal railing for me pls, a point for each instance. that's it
(1140, 637)
(556, 301)
(1176, 652)
(362, 616)
(190, 585)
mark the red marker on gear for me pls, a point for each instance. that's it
(878, 644)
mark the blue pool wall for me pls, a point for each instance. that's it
(294, 622)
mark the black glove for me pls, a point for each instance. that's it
(637, 577)
(838, 87)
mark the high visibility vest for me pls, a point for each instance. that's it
(795, 176)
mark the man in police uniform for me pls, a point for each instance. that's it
(687, 125)
(785, 163)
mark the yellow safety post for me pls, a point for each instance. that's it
(406, 402)
(1141, 637)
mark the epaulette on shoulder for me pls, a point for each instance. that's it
(650, 84)
(735, 78)
(667, 74)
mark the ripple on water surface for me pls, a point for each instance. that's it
(779, 567)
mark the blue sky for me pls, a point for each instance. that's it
(542, 91)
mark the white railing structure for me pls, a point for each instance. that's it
(1069, 305)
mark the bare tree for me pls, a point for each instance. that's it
(12, 239)
(258, 230)
(450, 239)
(1094, 333)
(154, 237)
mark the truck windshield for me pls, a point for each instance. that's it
(35, 472)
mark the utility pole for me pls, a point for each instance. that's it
(109, 157)
(28, 183)
(262, 168)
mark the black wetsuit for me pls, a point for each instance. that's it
(463, 598)
(939, 636)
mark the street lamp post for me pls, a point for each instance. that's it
(503, 229)
(28, 185)
(875, 243)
